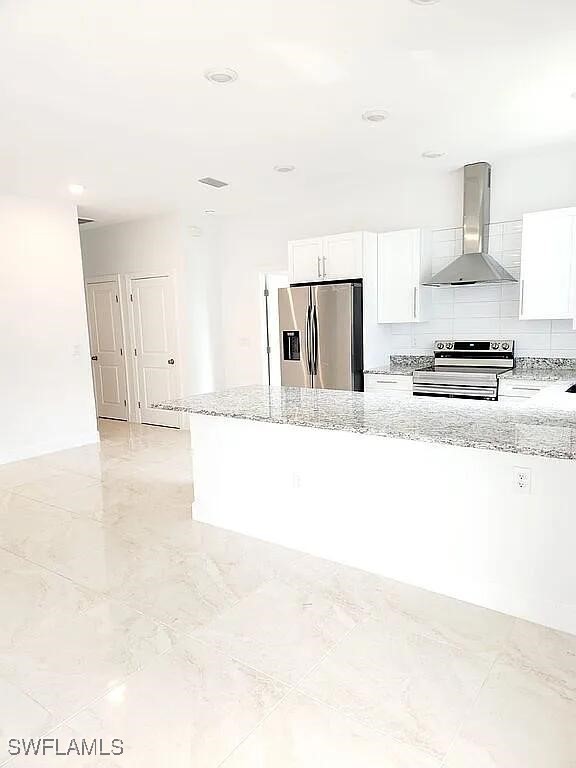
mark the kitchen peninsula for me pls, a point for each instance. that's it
(471, 499)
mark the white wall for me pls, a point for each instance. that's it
(46, 398)
(165, 243)
(247, 246)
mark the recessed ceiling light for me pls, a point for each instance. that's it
(221, 76)
(209, 212)
(284, 168)
(75, 189)
(425, 2)
(375, 115)
(431, 155)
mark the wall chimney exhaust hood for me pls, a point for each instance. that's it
(475, 265)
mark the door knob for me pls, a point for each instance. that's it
(94, 357)
(171, 361)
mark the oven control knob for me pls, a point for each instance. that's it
(495, 345)
(505, 345)
(449, 345)
(439, 345)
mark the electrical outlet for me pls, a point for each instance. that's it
(522, 480)
(296, 480)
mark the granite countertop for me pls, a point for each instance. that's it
(527, 368)
(541, 374)
(544, 429)
(402, 365)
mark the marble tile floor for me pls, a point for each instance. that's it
(123, 618)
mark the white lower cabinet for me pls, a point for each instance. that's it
(388, 384)
(523, 389)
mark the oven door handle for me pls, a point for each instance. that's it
(463, 391)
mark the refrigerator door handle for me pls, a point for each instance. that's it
(309, 339)
(314, 340)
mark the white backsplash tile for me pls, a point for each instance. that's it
(563, 341)
(510, 309)
(442, 326)
(446, 235)
(509, 227)
(476, 309)
(476, 293)
(510, 292)
(485, 326)
(513, 326)
(526, 342)
(401, 342)
(562, 326)
(484, 311)
(442, 311)
(510, 259)
(512, 241)
(443, 251)
(402, 329)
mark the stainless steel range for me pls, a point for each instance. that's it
(465, 369)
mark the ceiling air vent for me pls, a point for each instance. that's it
(85, 221)
(213, 182)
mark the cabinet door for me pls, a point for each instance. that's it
(305, 260)
(399, 276)
(547, 265)
(521, 389)
(387, 384)
(342, 256)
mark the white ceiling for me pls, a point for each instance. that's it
(111, 94)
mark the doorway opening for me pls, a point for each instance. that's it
(270, 283)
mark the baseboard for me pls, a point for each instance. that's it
(48, 446)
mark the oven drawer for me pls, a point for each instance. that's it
(444, 390)
(452, 378)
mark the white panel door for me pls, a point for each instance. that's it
(342, 256)
(108, 365)
(155, 348)
(547, 270)
(399, 255)
(305, 260)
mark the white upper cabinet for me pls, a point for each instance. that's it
(548, 270)
(342, 256)
(335, 257)
(305, 260)
(401, 266)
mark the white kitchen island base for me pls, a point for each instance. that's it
(446, 518)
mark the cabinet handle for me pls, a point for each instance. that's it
(529, 389)
(318, 266)
(324, 267)
(380, 381)
(522, 298)
(414, 302)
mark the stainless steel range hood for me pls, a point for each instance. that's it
(475, 265)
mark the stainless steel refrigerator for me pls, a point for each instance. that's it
(321, 335)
